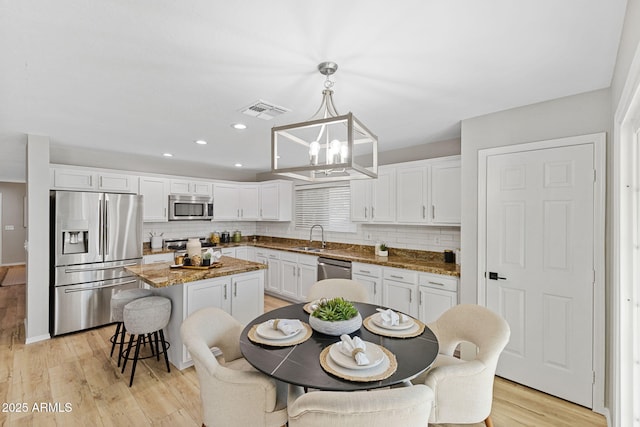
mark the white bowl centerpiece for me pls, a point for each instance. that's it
(335, 317)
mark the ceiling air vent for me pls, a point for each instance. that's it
(263, 110)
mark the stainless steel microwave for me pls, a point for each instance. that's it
(183, 208)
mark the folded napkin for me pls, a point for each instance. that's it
(391, 318)
(355, 348)
(286, 326)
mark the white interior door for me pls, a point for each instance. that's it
(540, 266)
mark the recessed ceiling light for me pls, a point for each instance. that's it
(238, 126)
(201, 142)
(167, 154)
(238, 165)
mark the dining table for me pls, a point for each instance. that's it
(300, 363)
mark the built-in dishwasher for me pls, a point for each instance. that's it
(333, 269)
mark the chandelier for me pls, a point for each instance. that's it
(326, 147)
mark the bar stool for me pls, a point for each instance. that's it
(118, 301)
(146, 316)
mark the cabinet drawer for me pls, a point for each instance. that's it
(366, 269)
(289, 256)
(401, 275)
(437, 281)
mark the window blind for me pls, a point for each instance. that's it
(327, 205)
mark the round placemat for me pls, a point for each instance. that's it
(296, 339)
(408, 333)
(342, 372)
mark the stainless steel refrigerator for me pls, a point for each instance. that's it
(93, 237)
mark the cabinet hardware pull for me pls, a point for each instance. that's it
(410, 295)
(100, 185)
(375, 288)
(396, 277)
(420, 300)
(373, 215)
(298, 271)
(424, 210)
(90, 181)
(225, 291)
(365, 213)
(235, 289)
(436, 283)
(433, 211)
(365, 271)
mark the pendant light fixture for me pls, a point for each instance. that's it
(326, 147)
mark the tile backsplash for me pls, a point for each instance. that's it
(427, 238)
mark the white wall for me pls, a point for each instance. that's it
(13, 215)
(37, 299)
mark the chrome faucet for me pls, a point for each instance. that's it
(324, 244)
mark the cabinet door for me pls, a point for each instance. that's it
(201, 188)
(155, 192)
(383, 197)
(247, 301)
(262, 259)
(411, 186)
(156, 258)
(117, 182)
(209, 293)
(374, 288)
(446, 193)
(242, 252)
(434, 302)
(225, 202)
(289, 279)
(248, 195)
(179, 187)
(273, 273)
(361, 200)
(72, 179)
(269, 202)
(307, 276)
(400, 296)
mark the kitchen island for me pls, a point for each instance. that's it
(235, 285)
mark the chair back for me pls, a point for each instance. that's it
(231, 393)
(332, 288)
(405, 406)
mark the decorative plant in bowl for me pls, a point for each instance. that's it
(384, 250)
(335, 317)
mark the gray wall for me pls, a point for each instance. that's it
(13, 214)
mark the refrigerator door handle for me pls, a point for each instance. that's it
(67, 291)
(106, 224)
(100, 226)
(84, 270)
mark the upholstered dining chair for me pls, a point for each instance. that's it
(404, 406)
(463, 390)
(232, 393)
(332, 288)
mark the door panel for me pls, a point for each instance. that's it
(123, 232)
(540, 245)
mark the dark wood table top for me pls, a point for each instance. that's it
(300, 364)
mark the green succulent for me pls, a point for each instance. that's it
(335, 309)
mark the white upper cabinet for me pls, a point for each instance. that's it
(374, 200)
(89, 180)
(276, 201)
(155, 192)
(268, 201)
(446, 192)
(192, 188)
(429, 192)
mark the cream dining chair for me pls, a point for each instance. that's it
(332, 288)
(405, 406)
(232, 393)
(463, 390)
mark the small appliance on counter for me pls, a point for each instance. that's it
(225, 237)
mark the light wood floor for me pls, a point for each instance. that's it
(76, 370)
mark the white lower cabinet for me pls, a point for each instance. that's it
(297, 273)
(155, 258)
(371, 277)
(271, 259)
(241, 295)
(437, 294)
(422, 295)
(228, 252)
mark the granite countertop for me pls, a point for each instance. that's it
(161, 275)
(424, 261)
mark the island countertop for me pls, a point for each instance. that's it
(161, 275)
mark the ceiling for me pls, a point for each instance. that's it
(149, 77)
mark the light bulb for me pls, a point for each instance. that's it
(314, 150)
(344, 152)
(334, 151)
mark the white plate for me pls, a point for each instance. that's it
(377, 320)
(267, 332)
(373, 352)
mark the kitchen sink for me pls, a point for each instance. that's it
(308, 249)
